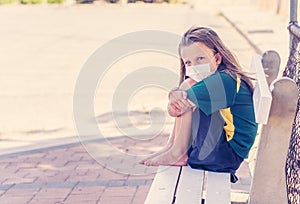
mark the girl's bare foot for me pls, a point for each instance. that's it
(163, 150)
(168, 159)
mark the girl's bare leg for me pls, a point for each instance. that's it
(165, 148)
(177, 130)
(177, 153)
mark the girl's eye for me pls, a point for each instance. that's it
(200, 58)
(188, 63)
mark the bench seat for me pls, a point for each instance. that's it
(182, 185)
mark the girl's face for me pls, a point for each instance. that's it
(198, 53)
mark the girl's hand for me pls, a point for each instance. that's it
(178, 103)
(173, 111)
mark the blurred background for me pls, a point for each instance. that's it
(44, 45)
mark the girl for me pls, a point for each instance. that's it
(213, 104)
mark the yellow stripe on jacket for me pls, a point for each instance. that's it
(228, 117)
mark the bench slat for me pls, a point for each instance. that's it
(189, 186)
(163, 187)
(218, 188)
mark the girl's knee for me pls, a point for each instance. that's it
(186, 84)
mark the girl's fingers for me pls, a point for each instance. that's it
(177, 106)
(184, 104)
(175, 95)
(179, 102)
(173, 110)
(172, 90)
(179, 95)
(184, 95)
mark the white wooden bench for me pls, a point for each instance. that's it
(187, 185)
(182, 185)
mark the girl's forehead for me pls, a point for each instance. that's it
(193, 49)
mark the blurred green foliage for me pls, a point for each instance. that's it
(36, 1)
(31, 1)
(55, 1)
(7, 1)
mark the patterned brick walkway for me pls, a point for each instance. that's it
(69, 174)
(66, 174)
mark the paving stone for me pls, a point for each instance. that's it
(53, 194)
(17, 180)
(116, 200)
(141, 194)
(15, 199)
(84, 190)
(13, 192)
(82, 199)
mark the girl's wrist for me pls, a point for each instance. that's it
(174, 89)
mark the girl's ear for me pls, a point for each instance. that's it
(218, 58)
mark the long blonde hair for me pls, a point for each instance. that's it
(210, 38)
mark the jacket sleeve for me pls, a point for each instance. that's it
(214, 93)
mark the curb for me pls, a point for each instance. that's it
(33, 149)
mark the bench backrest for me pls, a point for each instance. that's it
(268, 165)
(262, 97)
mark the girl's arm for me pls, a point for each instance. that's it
(178, 103)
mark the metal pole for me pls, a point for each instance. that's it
(293, 11)
(293, 17)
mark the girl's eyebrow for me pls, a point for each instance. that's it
(200, 56)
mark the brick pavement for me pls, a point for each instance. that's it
(66, 174)
(69, 174)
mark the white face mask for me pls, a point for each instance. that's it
(198, 72)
